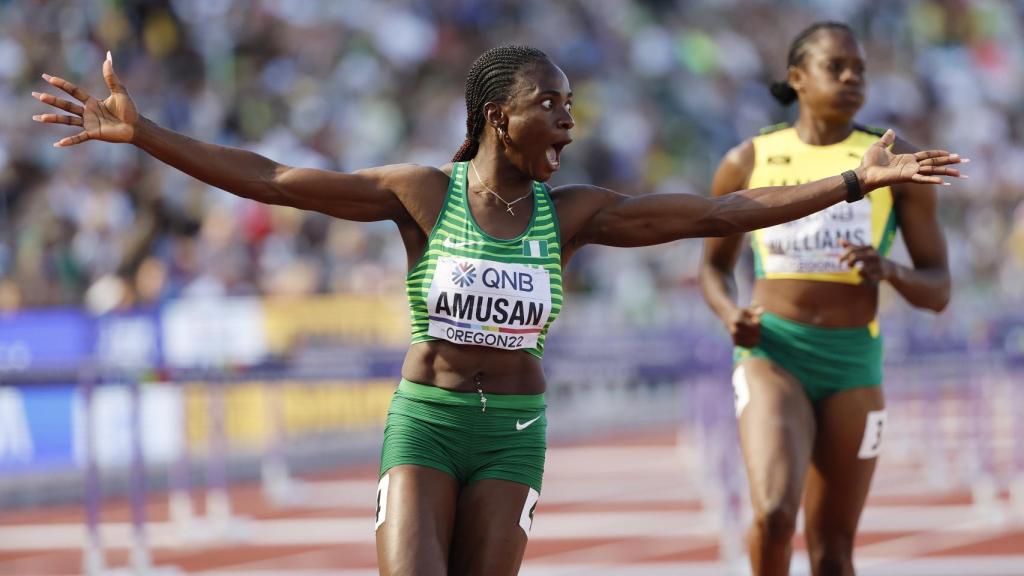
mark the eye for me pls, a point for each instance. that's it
(547, 103)
(568, 107)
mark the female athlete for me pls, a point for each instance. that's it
(464, 444)
(808, 357)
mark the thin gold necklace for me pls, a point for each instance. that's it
(508, 205)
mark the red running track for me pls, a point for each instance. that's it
(636, 505)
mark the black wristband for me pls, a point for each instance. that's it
(853, 191)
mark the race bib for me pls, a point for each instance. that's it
(812, 244)
(488, 303)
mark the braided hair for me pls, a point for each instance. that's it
(782, 91)
(492, 78)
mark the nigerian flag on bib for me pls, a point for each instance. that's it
(535, 248)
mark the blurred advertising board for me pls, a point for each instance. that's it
(306, 409)
(36, 431)
(376, 321)
(45, 340)
(129, 341)
(42, 427)
(213, 332)
(197, 333)
(160, 420)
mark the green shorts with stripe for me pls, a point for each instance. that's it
(824, 360)
(450, 431)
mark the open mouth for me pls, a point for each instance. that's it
(554, 152)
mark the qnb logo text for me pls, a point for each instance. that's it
(502, 280)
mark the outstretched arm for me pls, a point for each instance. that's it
(364, 196)
(655, 218)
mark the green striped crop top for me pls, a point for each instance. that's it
(472, 288)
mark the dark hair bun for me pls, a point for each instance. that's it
(783, 92)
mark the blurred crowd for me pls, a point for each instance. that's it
(662, 89)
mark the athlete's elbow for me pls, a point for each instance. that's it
(938, 299)
(275, 187)
(941, 300)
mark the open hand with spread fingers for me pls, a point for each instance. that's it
(879, 167)
(110, 120)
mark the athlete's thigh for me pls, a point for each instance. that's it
(491, 528)
(850, 427)
(415, 518)
(776, 424)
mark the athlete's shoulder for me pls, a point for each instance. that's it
(404, 171)
(735, 168)
(740, 156)
(773, 128)
(410, 179)
(771, 137)
(573, 201)
(577, 206)
(872, 130)
(587, 193)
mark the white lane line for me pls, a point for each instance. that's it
(980, 565)
(613, 554)
(940, 537)
(561, 525)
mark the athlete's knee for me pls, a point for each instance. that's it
(776, 523)
(831, 555)
(829, 564)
